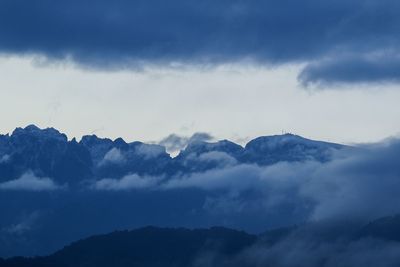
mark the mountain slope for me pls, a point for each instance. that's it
(312, 245)
(48, 153)
(148, 246)
(267, 150)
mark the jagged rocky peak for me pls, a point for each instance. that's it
(104, 150)
(120, 143)
(97, 147)
(41, 149)
(200, 147)
(274, 142)
(266, 150)
(93, 140)
(33, 131)
(4, 138)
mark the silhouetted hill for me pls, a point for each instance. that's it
(387, 228)
(146, 247)
(315, 243)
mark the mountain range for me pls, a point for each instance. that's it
(49, 153)
(54, 191)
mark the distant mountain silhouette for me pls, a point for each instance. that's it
(387, 228)
(48, 153)
(287, 147)
(179, 247)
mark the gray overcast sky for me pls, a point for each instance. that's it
(236, 102)
(322, 69)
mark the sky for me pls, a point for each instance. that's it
(142, 70)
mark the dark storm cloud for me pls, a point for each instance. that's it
(119, 34)
(352, 70)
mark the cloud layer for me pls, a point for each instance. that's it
(309, 247)
(128, 182)
(357, 184)
(29, 182)
(121, 34)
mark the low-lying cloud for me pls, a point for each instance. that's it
(310, 251)
(24, 225)
(149, 151)
(29, 182)
(5, 158)
(358, 184)
(113, 156)
(126, 183)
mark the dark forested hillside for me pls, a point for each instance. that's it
(148, 246)
(312, 245)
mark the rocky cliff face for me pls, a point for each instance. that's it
(49, 153)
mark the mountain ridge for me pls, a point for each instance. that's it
(48, 153)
